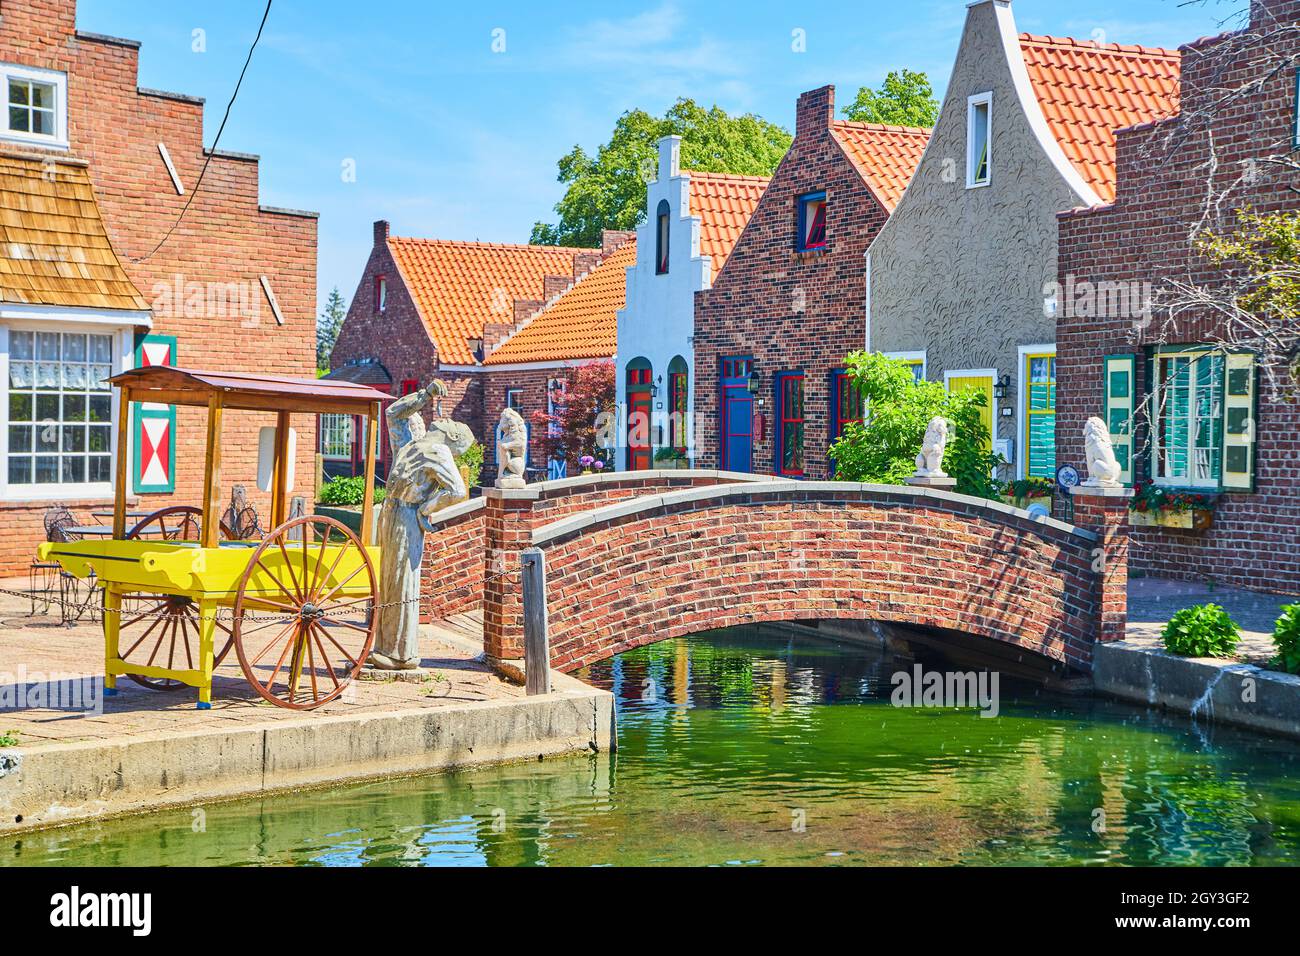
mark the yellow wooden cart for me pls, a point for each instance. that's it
(297, 606)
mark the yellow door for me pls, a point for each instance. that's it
(977, 383)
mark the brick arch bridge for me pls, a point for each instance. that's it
(674, 554)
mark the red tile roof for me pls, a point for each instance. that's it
(724, 204)
(885, 156)
(1088, 90)
(460, 286)
(580, 323)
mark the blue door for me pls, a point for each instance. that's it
(737, 415)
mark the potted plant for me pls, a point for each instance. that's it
(1153, 505)
(1023, 491)
(671, 458)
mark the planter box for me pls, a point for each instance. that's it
(1194, 519)
(349, 515)
(1025, 502)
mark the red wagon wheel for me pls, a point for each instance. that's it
(310, 626)
(163, 629)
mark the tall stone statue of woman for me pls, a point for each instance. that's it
(423, 479)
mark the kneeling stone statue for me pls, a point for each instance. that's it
(929, 464)
(423, 479)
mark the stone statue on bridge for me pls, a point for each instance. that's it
(929, 464)
(512, 449)
(423, 479)
(1103, 469)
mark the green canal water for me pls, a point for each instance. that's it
(748, 747)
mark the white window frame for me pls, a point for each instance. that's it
(351, 420)
(123, 357)
(1022, 400)
(1157, 408)
(910, 357)
(986, 100)
(55, 78)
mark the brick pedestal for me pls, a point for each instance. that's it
(1105, 511)
(507, 530)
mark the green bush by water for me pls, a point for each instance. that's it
(1286, 638)
(1205, 630)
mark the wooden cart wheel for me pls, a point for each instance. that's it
(304, 613)
(163, 629)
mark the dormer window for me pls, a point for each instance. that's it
(812, 221)
(37, 105)
(661, 238)
(978, 139)
(381, 293)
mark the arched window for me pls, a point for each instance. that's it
(661, 238)
(677, 404)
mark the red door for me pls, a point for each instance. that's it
(638, 419)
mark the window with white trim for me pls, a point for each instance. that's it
(36, 105)
(336, 436)
(59, 426)
(979, 110)
(1188, 438)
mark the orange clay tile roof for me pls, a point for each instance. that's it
(885, 156)
(1088, 90)
(578, 324)
(460, 286)
(724, 204)
(54, 249)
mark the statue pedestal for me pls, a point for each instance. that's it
(945, 483)
(511, 483)
(415, 675)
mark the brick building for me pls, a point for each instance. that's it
(1179, 388)
(530, 370)
(428, 308)
(95, 173)
(772, 333)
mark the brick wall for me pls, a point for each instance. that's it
(790, 310)
(814, 554)
(226, 237)
(1163, 170)
(453, 566)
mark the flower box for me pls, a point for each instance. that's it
(1024, 501)
(1193, 519)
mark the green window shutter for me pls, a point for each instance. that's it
(1119, 386)
(1241, 384)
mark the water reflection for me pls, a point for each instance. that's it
(749, 746)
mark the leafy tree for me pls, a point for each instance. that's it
(904, 99)
(607, 191)
(327, 328)
(577, 427)
(883, 448)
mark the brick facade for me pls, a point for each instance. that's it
(1163, 169)
(453, 562)
(226, 237)
(786, 309)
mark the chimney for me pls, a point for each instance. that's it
(670, 157)
(554, 285)
(381, 232)
(584, 262)
(611, 239)
(815, 111)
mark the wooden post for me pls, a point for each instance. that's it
(537, 639)
(119, 483)
(211, 530)
(280, 474)
(368, 502)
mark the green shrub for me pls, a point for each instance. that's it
(1286, 638)
(9, 739)
(346, 491)
(1205, 630)
(473, 460)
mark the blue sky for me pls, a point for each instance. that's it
(452, 140)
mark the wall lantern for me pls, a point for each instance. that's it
(755, 383)
(1001, 386)
(654, 389)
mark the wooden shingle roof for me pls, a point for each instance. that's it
(54, 249)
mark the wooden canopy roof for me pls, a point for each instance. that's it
(249, 391)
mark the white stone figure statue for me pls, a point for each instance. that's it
(512, 449)
(423, 479)
(1103, 469)
(929, 464)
